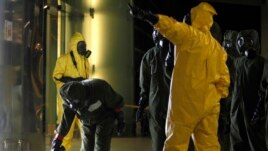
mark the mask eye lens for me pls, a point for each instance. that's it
(251, 42)
(245, 41)
(228, 44)
(241, 42)
(71, 106)
(81, 45)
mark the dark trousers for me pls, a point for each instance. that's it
(98, 137)
(157, 131)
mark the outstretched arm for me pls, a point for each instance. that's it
(143, 15)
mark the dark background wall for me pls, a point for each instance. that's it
(236, 16)
(230, 16)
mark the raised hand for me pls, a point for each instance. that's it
(142, 14)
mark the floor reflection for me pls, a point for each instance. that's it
(119, 144)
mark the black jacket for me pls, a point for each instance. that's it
(101, 102)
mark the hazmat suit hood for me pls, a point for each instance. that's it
(78, 45)
(202, 16)
(76, 37)
(215, 28)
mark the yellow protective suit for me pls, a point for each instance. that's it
(200, 78)
(65, 68)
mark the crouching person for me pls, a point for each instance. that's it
(97, 106)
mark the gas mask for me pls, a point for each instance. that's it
(230, 48)
(246, 47)
(157, 38)
(247, 43)
(229, 43)
(82, 50)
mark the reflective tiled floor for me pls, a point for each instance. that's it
(121, 144)
(132, 143)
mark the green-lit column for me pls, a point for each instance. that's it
(109, 34)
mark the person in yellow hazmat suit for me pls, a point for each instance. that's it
(72, 66)
(200, 78)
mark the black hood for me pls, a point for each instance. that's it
(73, 91)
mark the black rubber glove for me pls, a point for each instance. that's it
(56, 145)
(143, 15)
(140, 112)
(121, 126)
